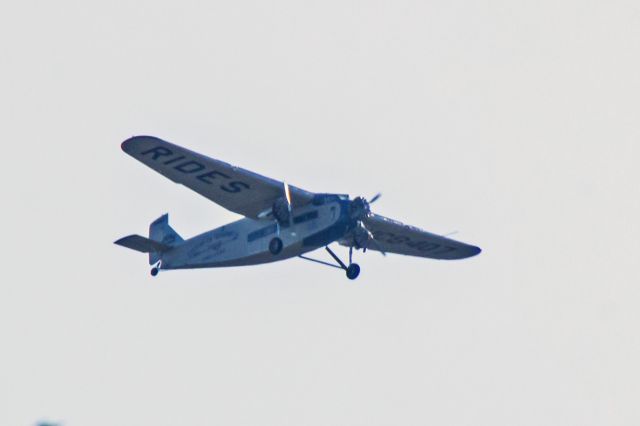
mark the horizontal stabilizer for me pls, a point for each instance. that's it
(142, 244)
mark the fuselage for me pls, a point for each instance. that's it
(246, 241)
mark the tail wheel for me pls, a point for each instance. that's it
(275, 246)
(353, 271)
(154, 271)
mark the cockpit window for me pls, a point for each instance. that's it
(320, 199)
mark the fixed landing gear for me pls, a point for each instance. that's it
(352, 270)
(155, 269)
(275, 246)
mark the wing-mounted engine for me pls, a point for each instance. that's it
(361, 236)
(281, 211)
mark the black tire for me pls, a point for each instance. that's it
(154, 271)
(353, 271)
(275, 246)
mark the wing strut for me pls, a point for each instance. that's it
(352, 270)
(322, 262)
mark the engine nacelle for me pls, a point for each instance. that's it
(280, 210)
(361, 236)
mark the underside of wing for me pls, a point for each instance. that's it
(234, 188)
(395, 237)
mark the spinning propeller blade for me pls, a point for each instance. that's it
(360, 211)
(377, 247)
(287, 194)
(375, 198)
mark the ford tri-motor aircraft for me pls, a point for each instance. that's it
(281, 221)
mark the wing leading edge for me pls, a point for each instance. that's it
(395, 237)
(234, 188)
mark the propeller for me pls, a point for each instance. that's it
(360, 210)
(281, 208)
(287, 195)
(377, 247)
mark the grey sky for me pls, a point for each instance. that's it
(515, 123)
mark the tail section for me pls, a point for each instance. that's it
(162, 238)
(160, 231)
(142, 244)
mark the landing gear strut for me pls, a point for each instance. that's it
(352, 270)
(155, 269)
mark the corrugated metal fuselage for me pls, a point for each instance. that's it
(246, 241)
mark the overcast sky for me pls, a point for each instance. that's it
(515, 123)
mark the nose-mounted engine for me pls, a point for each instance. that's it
(359, 210)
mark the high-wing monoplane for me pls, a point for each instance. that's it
(281, 221)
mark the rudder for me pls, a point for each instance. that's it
(160, 231)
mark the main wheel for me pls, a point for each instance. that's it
(353, 271)
(275, 246)
(154, 271)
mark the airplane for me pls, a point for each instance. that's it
(281, 221)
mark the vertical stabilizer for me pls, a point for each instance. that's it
(160, 231)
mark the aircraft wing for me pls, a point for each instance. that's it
(394, 237)
(235, 189)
